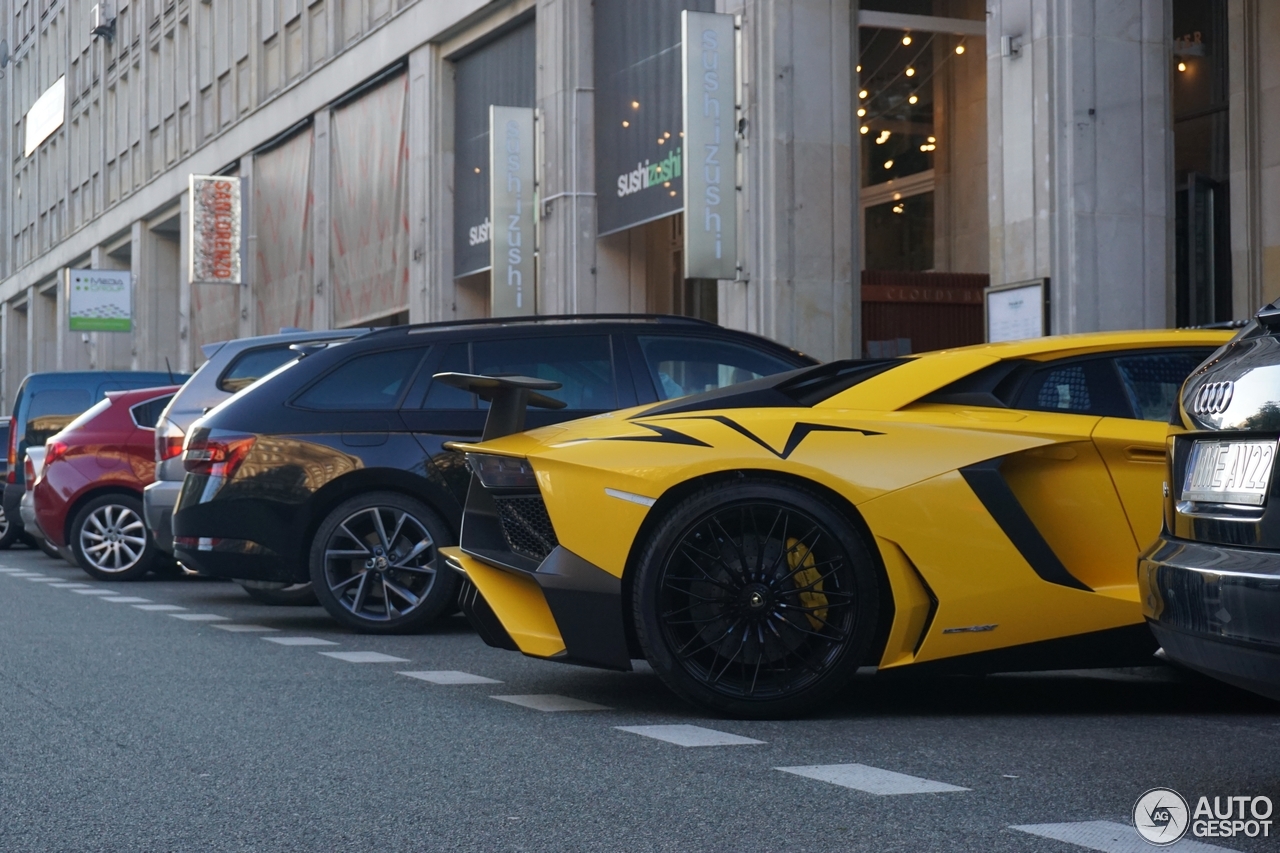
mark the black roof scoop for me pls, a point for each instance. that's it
(509, 397)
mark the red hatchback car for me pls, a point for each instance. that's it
(89, 495)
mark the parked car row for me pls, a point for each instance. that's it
(755, 525)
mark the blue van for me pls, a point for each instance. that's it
(47, 402)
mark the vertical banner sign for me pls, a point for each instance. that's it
(511, 209)
(100, 300)
(710, 135)
(215, 230)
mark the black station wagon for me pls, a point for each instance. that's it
(332, 470)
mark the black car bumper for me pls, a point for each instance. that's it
(1215, 609)
(236, 559)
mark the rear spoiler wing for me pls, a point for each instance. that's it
(509, 397)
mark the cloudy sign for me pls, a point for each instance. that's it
(710, 145)
(100, 300)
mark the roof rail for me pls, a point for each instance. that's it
(537, 319)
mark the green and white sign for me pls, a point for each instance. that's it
(100, 300)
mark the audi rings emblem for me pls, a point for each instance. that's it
(1212, 399)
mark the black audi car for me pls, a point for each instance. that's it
(331, 470)
(1210, 585)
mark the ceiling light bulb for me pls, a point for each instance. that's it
(888, 164)
(661, 141)
(666, 134)
(862, 94)
(477, 170)
(863, 129)
(858, 69)
(959, 48)
(933, 139)
(1182, 66)
(626, 124)
(912, 99)
(911, 72)
(635, 105)
(862, 111)
(906, 39)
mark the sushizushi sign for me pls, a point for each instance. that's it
(710, 145)
(100, 300)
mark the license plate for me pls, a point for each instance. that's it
(1229, 472)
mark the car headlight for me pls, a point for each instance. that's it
(502, 472)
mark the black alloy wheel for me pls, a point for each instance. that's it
(280, 594)
(110, 541)
(755, 599)
(375, 565)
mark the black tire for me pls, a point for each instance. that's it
(281, 594)
(48, 548)
(755, 599)
(376, 553)
(9, 532)
(110, 541)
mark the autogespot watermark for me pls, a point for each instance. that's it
(1162, 816)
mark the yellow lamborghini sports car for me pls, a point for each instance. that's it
(979, 509)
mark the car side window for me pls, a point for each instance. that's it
(582, 364)
(1152, 380)
(681, 366)
(251, 365)
(440, 396)
(50, 411)
(147, 414)
(1079, 386)
(373, 381)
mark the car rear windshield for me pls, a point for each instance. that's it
(251, 365)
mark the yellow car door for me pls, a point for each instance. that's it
(1134, 446)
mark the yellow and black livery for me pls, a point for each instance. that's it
(979, 508)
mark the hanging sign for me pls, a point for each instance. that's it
(215, 230)
(710, 147)
(511, 211)
(100, 300)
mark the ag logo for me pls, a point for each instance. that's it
(1160, 816)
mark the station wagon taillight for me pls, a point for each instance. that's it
(12, 476)
(169, 439)
(216, 453)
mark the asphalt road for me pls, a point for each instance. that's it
(129, 729)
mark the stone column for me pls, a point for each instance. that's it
(567, 279)
(797, 243)
(248, 250)
(1081, 158)
(321, 310)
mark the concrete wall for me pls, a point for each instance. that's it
(1081, 158)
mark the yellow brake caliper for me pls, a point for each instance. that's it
(808, 578)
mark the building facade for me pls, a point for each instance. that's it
(892, 159)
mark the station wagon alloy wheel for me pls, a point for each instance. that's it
(110, 540)
(374, 564)
(754, 604)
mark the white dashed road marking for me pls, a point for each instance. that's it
(550, 702)
(243, 629)
(364, 657)
(127, 599)
(94, 591)
(199, 617)
(8, 571)
(450, 676)
(683, 735)
(25, 575)
(42, 580)
(300, 641)
(155, 607)
(1110, 837)
(871, 780)
(69, 586)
